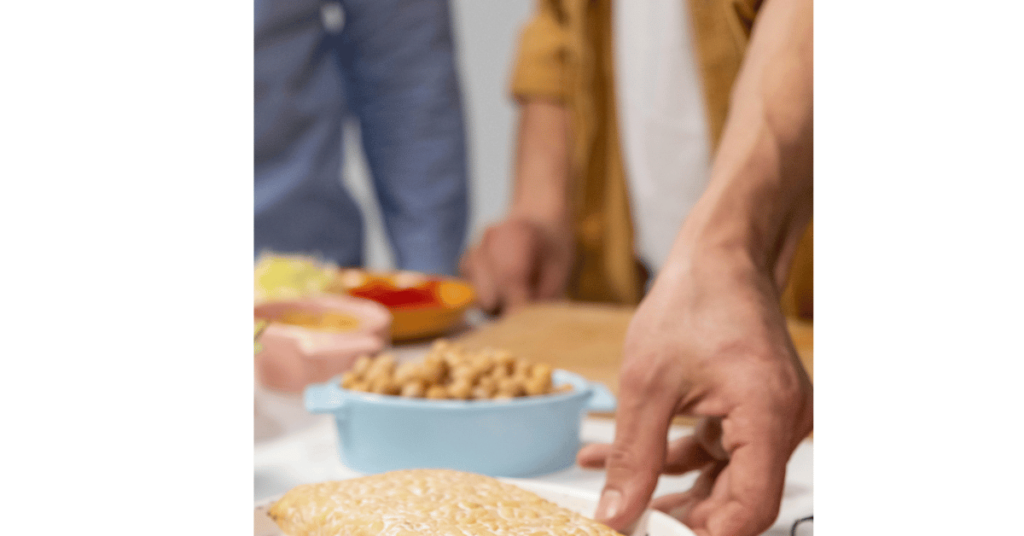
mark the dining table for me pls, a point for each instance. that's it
(293, 447)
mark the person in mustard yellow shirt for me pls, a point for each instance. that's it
(709, 338)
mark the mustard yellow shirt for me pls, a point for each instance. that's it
(565, 55)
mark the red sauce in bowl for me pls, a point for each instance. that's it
(388, 295)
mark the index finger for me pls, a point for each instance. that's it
(638, 452)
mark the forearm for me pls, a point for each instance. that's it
(542, 166)
(528, 255)
(759, 198)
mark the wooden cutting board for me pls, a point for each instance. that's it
(585, 338)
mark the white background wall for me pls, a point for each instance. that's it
(486, 34)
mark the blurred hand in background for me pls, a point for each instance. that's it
(528, 256)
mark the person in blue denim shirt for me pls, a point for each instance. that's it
(391, 65)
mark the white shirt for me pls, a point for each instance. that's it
(662, 123)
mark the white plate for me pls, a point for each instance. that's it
(651, 524)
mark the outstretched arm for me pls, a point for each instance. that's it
(710, 339)
(528, 255)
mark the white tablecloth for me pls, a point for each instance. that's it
(294, 447)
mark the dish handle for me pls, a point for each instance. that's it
(601, 399)
(324, 398)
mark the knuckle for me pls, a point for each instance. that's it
(648, 375)
(514, 269)
(626, 461)
(762, 516)
(519, 232)
(788, 393)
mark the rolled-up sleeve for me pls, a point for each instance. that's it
(398, 59)
(540, 65)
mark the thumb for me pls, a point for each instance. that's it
(636, 457)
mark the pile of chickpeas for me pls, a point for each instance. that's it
(450, 372)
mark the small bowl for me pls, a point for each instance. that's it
(514, 438)
(445, 311)
(292, 357)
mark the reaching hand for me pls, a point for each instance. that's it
(709, 341)
(519, 261)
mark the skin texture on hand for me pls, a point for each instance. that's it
(708, 342)
(517, 262)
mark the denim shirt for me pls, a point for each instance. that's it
(392, 67)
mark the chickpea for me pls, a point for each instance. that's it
(484, 390)
(537, 386)
(483, 367)
(521, 377)
(510, 387)
(383, 363)
(434, 371)
(374, 377)
(383, 385)
(505, 361)
(453, 355)
(520, 368)
(437, 392)
(505, 385)
(463, 372)
(541, 369)
(361, 365)
(500, 373)
(414, 389)
(460, 390)
(488, 382)
(407, 372)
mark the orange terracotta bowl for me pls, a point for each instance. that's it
(294, 355)
(421, 305)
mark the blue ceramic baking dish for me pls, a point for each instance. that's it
(526, 436)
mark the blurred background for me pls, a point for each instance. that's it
(486, 35)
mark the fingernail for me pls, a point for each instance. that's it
(609, 506)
